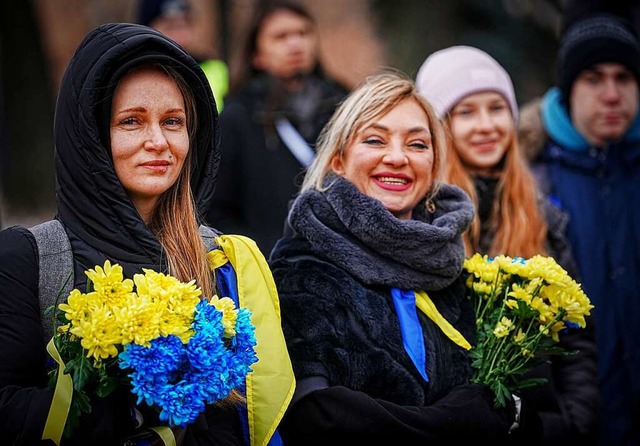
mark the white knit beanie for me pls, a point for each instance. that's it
(449, 75)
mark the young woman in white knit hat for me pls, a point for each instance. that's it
(474, 97)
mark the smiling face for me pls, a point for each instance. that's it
(482, 128)
(391, 158)
(149, 138)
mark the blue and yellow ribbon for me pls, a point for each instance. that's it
(271, 384)
(426, 305)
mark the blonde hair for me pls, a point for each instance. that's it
(174, 221)
(374, 97)
(516, 218)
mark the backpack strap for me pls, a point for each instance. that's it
(209, 236)
(55, 260)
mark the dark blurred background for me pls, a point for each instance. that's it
(358, 37)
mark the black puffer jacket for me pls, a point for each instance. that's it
(355, 381)
(102, 223)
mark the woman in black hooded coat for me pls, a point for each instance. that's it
(100, 209)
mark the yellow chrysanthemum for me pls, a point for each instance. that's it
(519, 336)
(180, 298)
(482, 288)
(496, 287)
(527, 353)
(511, 303)
(503, 327)
(176, 324)
(555, 330)
(108, 281)
(77, 306)
(229, 314)
(99, 334)
(140, 321)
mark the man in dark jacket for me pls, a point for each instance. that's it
(270, 123)
(590, 164)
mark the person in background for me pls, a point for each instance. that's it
(270, 123)
(136, 159)
(374, 235)
(587, 158)
(474, 97)
(174, 19)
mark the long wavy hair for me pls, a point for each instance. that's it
(516, 219)
(174, 221)
(374, 97)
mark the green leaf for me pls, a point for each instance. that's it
(503, 395)
(80, 404)
(81, 370)
(530, 382)
(106, 384)
(58, 316)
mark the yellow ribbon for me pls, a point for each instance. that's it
(165, 434)
(426, 305)
(271, 384)
(61, 403)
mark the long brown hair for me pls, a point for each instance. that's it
(520, 229)
(174, 221)
(176, 226)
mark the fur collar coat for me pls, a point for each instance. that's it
(334, 276)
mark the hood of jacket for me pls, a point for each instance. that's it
(91, 202)
(531, 134)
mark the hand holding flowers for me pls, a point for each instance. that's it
(521, 307)
(156, 336)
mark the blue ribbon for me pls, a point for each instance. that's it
(228, 285)
(412, 336)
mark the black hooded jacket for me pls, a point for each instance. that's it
(101, 223)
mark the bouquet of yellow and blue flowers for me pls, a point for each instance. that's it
(174, 350)
(521, 307)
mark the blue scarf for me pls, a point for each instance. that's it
(557, 123)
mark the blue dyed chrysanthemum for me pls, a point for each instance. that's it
(181, 379)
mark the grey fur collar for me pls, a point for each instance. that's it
(359, 234)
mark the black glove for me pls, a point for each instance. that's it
(111, 418)
(471, 414)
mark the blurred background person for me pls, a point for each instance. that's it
(474, 97)
(173, 18)
(357, 37)
(583, 138)
(270, 123)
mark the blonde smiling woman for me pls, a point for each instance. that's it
(373, 301)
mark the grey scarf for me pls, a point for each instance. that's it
(357, 233)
